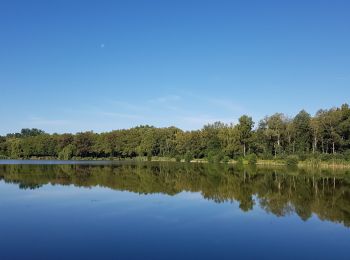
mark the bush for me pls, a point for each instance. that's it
(178, 158)
(211, 157)
(240, 161)
(292, 160)
(302, 157)
(215, 156)
(326, 157)
(219, 157)
(67, 152)
(281, 156)
(347, 155)
(313, 157)
(226, 159)
(252, 159)
(266, 156)
(149, 157)
(188, 157)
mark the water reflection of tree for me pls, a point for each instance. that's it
(279, 192)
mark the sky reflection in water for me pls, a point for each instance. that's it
(172, 211)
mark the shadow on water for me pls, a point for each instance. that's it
(279, 191)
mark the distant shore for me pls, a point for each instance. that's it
(333, 164)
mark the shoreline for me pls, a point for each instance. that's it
(260, 162)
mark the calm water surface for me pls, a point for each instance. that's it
(69, 210)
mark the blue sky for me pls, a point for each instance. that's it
(68, 66)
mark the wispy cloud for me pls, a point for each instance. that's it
(341, 78)
(185, 110)
(165, 99)
(171, 103)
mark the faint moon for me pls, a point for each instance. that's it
(102, 45)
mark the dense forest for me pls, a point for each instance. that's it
(326, 135)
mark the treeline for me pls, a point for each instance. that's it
(325, 135)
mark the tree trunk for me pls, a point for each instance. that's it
(322, 145)
(333, 148)
(244, 149)
(289, 142)
(314, 148)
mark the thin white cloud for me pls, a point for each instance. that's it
(226, 104)
(186, 111)
(341, 78)
(165, 99)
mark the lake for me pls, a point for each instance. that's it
(127, 210)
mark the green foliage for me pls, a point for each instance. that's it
(302, 156)
(149, 157)
(219, 157)
(215, 157)
(314, 162)
(252, 159)
(292, 160)
(325, 137)
(188, 157)
(240, 161)
(178, 158)
(347, 155)
(226, 159)
(26, 132)
(67, 152)
(245, 127)
(302, 132)
(84, 143)
(326, 157)
(211, 156)
(15, 149)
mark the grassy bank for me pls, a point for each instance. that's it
(309, 163)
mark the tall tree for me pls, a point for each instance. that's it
(303, 134)
(230, 140)
(330, 121)
(245, 127)
(275, 128)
